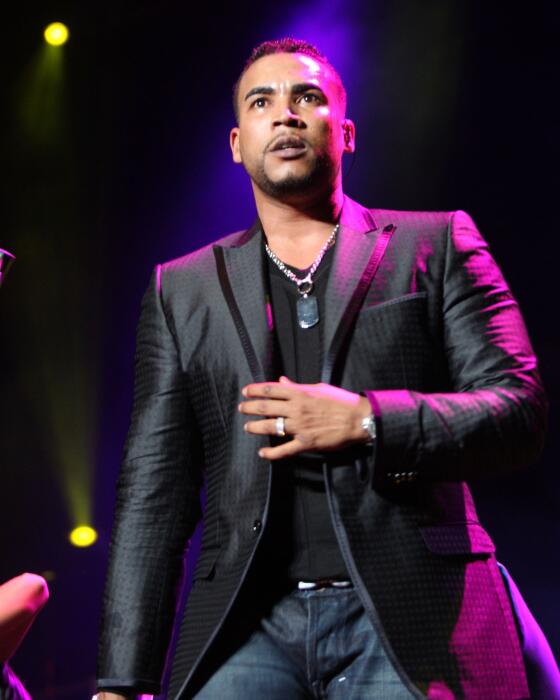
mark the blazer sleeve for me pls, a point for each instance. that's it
(157, 509)
(493, 420)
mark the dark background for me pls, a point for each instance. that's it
(117, 158)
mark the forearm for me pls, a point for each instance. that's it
(489, 416)
(153, 522)
(457, 436)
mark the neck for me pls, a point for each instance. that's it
(306, 223)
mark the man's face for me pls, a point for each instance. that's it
(292, 131)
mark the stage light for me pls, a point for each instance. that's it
(83, 536)
(56, 34)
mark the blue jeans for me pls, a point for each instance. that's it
(314, 644)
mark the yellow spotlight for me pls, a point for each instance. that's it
(83, 536)
(56, 34)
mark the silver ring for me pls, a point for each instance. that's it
(280, 427)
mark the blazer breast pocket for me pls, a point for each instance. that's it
(414, 298)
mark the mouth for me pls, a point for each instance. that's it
(288, 147)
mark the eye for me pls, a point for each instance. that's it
(310, 98)
(259, 103)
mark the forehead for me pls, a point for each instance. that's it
(281, 70)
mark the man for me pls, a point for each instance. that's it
(333, 375)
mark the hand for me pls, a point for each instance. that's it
(321, 417)
(21, 599)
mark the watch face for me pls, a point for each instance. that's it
(368, 424)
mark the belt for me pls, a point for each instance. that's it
(322, 583)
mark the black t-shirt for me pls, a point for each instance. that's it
(300, 540)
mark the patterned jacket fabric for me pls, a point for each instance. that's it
(419, 317)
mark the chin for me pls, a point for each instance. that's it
(296, 181)
(291, 185)
(293, 179)
(290, 170)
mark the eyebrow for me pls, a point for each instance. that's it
(297, 89)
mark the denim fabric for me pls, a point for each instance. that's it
(311, 644)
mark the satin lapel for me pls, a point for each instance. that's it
(241, 275)
(356, 260)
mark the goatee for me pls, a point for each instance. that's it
(294, 184)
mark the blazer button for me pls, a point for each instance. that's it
(257, 525)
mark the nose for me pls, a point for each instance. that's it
(288, 116)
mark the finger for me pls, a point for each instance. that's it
(287, 449)
(287, 382)
(273, 390)
(266, 426)
(266, 407)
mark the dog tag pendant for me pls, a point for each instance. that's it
(307, 311)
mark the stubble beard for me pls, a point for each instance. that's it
(316, 178)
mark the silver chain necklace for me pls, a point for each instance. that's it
(307, 306)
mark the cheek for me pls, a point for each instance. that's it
(245, 148)
(332, 140)
(252, 143)
(324, 111)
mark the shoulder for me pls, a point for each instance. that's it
(198, 260)
(429, 237)
(414, 221)
(441, 228)
(192, 276)
(411, 222)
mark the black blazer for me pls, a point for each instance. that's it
(418, 316)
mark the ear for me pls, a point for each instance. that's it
(234, 144)
(349, 132)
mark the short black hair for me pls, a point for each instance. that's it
(285, 45)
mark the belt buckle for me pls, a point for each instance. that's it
(321, 584)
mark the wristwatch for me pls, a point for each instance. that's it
(368, 425)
